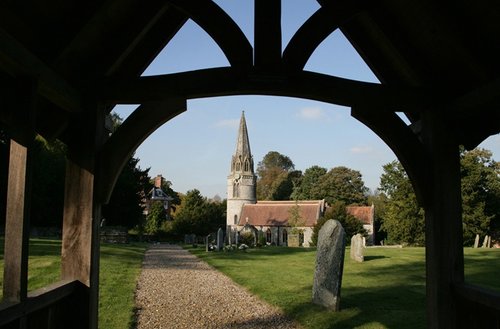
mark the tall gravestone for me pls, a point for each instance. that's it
(220, 239)
(357, 248)
(476, 242)
(329, 265)
(485, 242)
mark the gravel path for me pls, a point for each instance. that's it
(177, 290)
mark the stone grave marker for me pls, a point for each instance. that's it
(220, 239)
(485, 242)
(357, 248)
(329, 265)
(476, 242)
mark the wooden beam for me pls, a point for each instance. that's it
(221, 27)
(316, 29)
(225, 82)
(17, 224)
(267, 34)
(402, 141)
(20, 62)
(122, 144)
(443, 221)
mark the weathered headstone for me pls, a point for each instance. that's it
(488, 244)
(476, 242)
(485, 242)
(357, 248)
(207, 242)
(329, 265)
(220, 239)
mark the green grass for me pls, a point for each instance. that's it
(120, 267)
(386, 291)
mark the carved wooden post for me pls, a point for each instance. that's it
(443, 221)
(81, 217)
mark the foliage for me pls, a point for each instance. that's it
(307, 187)
(125, 206)
(247, 238)
(197, 215)
(155, 218)
(48, 182)
(380, 203)
(480, 193)
(295, 219)
(404, 219)
(276, 177)
(337, 211)
(338, 184)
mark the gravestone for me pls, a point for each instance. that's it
(207, 242)
(488, 244)
(220, 239)
(329, 265)
(485, 242)
(357, 248)
(476, 242)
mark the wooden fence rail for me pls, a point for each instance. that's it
(479, 308)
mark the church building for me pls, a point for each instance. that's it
(269, 219)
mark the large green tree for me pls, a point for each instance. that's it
(276, 177)
(404, 219)
(197, 215)
(342, 184)
(480, 193)
(308, 187)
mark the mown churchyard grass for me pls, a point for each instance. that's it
(120, 267)
(385, 291)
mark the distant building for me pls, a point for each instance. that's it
(158, 195)
(269, 219)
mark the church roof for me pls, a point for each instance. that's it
(364, 213)
(243, 143)
(276, 213)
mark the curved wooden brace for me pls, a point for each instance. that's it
(316, 29)
(221, 27)
(122, 144)
(403, 142)
(225, 82)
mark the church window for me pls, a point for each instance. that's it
(269, 236)
(285, 238)
(236, 190)
(235, 219)
(238, 166)
(247, 165)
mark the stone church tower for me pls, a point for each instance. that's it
(241, 181)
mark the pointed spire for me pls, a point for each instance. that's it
(243, 144)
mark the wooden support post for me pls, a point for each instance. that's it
(82, 214)
(15, 283)
(443, 221)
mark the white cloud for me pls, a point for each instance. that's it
(228, 123)
(361, 149)
(311, 113)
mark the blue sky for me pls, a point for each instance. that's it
(194, 149)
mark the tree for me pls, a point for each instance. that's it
(196, 215)
(337, 211)
(480, 193)
(276, 177)
(404, 219)
(155, 218)
(307, 187)
(342, 184)
(126, 205)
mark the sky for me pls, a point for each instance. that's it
(194, 149)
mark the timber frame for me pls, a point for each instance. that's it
(64, 65)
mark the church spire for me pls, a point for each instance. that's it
(243, 144)
(242, 161)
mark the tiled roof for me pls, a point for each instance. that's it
(363, 213)
(276, 213)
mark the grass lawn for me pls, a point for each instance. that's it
(386, 291)
(120, 267)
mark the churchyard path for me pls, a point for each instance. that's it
(178, 290)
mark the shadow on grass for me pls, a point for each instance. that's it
(369, 258)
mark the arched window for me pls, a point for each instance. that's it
(238, 166)
(285, 238)
(236, 190)
(235, 219)
(247, 165)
